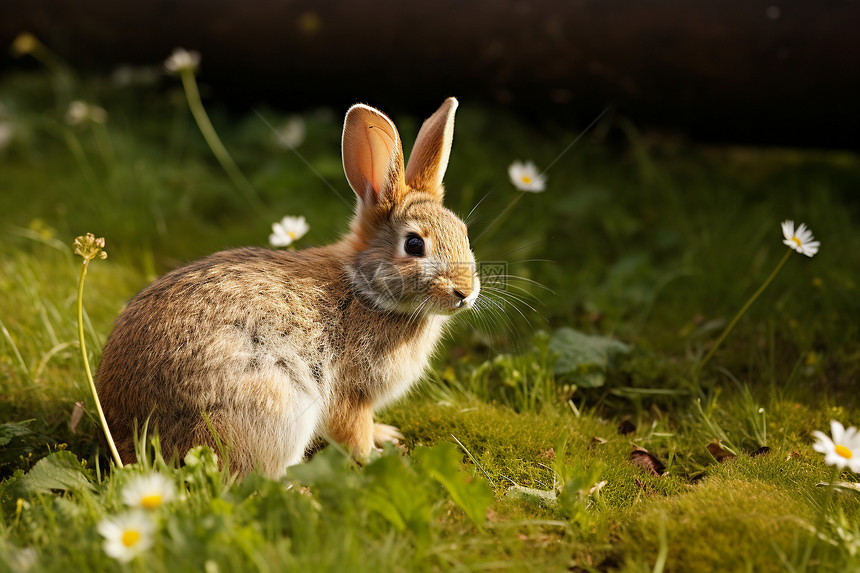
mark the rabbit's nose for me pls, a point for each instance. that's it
(466, 300)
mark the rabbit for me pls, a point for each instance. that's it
(269, 350)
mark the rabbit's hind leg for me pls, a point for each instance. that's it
(263, 435)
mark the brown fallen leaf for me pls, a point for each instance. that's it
(597, 487)
(626, 427)
(598, 440)
(720, 454)
(760, 452)
(77, 414)
(648, 461)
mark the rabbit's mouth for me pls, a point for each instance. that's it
(448, 297)
(467, 301)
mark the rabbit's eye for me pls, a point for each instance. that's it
(414, 245)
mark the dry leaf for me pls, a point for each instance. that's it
(760, 452)
(720, 454)
(77, 414)
(626, 427)
(648, 461)
(843, 485)
(597, 487)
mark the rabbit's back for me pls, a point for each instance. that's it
(238, 336)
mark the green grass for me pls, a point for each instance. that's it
(646, 239)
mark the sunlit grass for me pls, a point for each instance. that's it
(638, 239)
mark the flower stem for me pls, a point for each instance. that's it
(743, 310)
(195, 104)
(83, 346)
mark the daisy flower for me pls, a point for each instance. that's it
(801, 239)
(287, 230)
(292, 133)
(525, 177)
(127, 535)
(843, 450)
(149, 491)
(80, 112)
(182, 60)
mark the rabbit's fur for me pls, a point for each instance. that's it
(275, 348)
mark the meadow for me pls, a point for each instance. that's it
(574, 424)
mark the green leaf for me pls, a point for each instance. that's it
(584, 359)
(330, 466)
(394, 492)
(9, 431)
(573, 500)
(442, 463)
(58, 471)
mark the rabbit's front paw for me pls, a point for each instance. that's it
(384, 433)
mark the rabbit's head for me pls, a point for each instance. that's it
(412, 254)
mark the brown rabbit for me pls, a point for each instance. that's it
(277, 348)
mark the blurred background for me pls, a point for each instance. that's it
(748, 71)
(675, 136)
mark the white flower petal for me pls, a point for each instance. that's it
(292, 134)
(149, 491)
(843, 449)
(800, 240)
(837, 431)
(127, 535)
(810, 249)
(288, 230)
(181, 60)
(526, 177)
(834, 459)
(823, 444)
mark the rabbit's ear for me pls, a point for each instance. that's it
(429, 157)
(372, 155)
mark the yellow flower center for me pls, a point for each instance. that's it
(151, 501)
(130, 537)
(796, 240)
(844, 452)
(291, 234)
(527, 179)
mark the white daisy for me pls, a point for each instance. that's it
(182, 60)
(80, 112)
(843, 450)
(127, 535)
(292, 133)
(149, 491)
(287, 230)
(525, 177)
(801, 239)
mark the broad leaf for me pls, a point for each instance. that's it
(442, 463)
(58, 471)
(584, 359)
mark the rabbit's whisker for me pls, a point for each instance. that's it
(502, 299)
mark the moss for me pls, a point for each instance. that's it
(719, 525)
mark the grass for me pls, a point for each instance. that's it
(639, 237)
